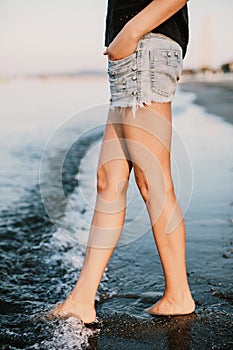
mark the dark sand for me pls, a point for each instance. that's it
(216, 97)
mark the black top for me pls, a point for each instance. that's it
(121, 11)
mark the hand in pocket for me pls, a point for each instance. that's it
(122, 46)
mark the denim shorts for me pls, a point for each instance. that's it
(149, 74)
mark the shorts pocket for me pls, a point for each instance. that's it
(122, 59)
(121, 71)
(165, 70)
(121, 66)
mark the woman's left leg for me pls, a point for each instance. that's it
(148, 139)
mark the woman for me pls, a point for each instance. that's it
(146, 43)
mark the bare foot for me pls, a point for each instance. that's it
(70, 308)
(167, 307)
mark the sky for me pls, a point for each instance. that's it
(41, 36)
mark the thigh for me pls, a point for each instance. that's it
(148, 140)
(114, 160)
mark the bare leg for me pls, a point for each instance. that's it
(107, 222)
(148, 139)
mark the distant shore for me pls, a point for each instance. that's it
(216, 97)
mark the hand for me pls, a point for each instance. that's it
(123, 45)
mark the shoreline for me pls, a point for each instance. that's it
(215, 96)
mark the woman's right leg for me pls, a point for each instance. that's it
(114, 169)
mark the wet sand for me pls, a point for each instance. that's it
(216, 97)
(171, 333)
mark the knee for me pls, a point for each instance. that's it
(111, 185)
(154, 187)
(141, 182)
(102, 180)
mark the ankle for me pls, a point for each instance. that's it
(76, 298)
(178, 297)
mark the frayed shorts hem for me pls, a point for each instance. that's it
(137, 104)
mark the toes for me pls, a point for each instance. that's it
(147, 310)
(56, 309)
(55, 312)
